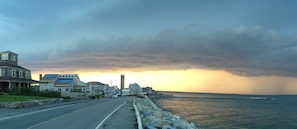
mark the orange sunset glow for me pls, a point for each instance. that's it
(195, 80)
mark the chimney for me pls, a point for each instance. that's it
(40, 77)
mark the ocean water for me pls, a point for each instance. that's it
(228, 111)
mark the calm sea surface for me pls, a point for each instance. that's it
(225, 111)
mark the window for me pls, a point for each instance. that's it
(27, 75)
(20, 74)
(0, 72)
(13, 57)
(13, 73)
(4, 56)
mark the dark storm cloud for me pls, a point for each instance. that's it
(116, 34)
(245, 51)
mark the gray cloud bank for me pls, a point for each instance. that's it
(244, 51)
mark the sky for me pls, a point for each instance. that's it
(216, 46)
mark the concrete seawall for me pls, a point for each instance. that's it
(31, 103)
(153, 117)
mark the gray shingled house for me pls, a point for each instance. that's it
(11, 74)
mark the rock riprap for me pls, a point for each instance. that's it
(155, 118)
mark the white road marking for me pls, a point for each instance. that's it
(101, 123)
(29, 113)
(44, 122)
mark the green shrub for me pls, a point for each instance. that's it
(66, 98)
(48, 93)
(92, 97)
(34, 92)
(99, 96)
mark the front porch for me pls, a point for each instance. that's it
(6, 85)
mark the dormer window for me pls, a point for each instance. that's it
(13, 57)
(4, 56)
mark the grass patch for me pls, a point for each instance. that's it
(19, 98)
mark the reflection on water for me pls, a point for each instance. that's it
(233, 111)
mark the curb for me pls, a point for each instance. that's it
(139, 122)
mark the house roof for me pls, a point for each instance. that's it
(65, 80)
(49, 78)
(95, 83)
(3, 63)
(4, 79)
(8, 52)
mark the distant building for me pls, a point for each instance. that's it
(96, 88)
(135, 89)
(11, 74)
(113, 91)
(126, 92)
(122, 81)
(62, 83)
(147, 90)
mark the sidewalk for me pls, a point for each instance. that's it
(124, 118)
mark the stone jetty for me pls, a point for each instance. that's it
(153, 117)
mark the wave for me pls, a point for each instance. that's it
(261, 98)
(242, 98)
(169, 95)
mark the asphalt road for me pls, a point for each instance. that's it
(84, 115)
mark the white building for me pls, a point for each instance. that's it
(126, 92)
(62, 83)
(96, 88)
(113, 91)
(135, 89)
(147, 90)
